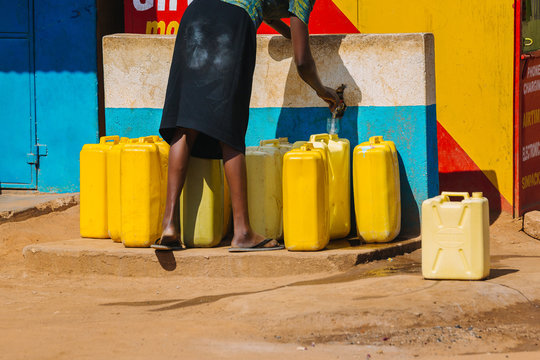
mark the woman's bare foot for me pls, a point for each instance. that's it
(170, 235)
(250, 239)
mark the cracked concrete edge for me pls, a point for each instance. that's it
(128, 264)
(531, 224)
(59, 204)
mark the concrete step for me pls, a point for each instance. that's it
(531, 224)
(19, 205)
(105, 257)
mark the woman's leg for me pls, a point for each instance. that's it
(181, 144)
(235, 170)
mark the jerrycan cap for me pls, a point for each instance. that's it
(478, 195)
(376, 139)
(307, 147)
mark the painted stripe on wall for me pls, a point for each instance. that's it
(412, 128)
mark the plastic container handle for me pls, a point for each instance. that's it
(148, 139)
(446, 195)
(114, 138)
(274, 142)
(283, 140)
(320, 137)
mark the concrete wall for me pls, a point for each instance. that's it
(391, 92)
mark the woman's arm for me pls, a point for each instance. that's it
(306, 65)
(280, 27)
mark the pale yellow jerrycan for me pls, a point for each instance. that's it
(202, 204)
(113, 190)
(284, 145)
(339, 183)
(264, 165)
(163, 149)
(93, 188)
(305, 199)
(377, 198)
(455, 237)
(141, 184)
(227, 208)
(298, 144)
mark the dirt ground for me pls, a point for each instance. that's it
(380, 310)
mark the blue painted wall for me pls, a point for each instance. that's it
(412, 128)
(66, 88)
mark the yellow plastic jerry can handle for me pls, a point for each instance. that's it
(320, 137)
(155, 138)
(274, 142)
(124, 140)
(114, 138)
(375, 140)
(148, 139)
(283, 140)
(446, 195)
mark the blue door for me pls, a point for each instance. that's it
(18, 148)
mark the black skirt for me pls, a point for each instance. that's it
(211, 74)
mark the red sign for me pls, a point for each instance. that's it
(163, 17)
(529, 156)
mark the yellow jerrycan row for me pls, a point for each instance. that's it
(455, 237)
(339, 192)
(264, 165)
(377, 199)
(113, 190)
(305, 199)
(93, 187)
(203, 201)
(141, 193)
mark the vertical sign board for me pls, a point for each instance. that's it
(529, 156)
(153, 16)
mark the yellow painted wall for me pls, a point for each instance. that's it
(474, 44)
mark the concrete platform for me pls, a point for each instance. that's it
(21, 205)
(105, 257)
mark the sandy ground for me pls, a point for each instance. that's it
(380, 310)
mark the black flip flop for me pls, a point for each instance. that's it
(257, 247)
(167, 247)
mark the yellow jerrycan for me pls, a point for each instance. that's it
(93, 187)
(305, 199)
(264, 165)
(140, 193)
(339, 183)
(202, 204)
(377, 198)
(113, 190)
(455, 237)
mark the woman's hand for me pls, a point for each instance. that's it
(330, 96)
